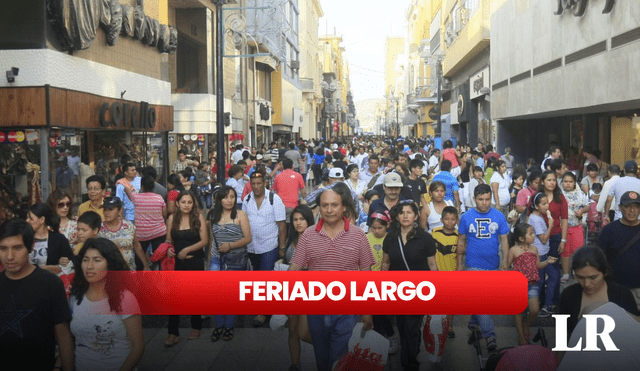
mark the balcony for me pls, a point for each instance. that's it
(470, 41)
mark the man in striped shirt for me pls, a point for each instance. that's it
(332, 244)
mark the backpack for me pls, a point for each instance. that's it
(270, 198)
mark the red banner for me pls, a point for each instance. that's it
(362, 292)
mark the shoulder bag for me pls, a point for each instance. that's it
(234, 260)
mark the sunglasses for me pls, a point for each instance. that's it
(63, 204)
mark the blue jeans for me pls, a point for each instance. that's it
(551, 282)
(227, 321)
(330, 334)
(264, 261)
(485, 321)
(205, 199)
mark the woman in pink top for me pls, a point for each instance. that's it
(151, 211)
(451, 154)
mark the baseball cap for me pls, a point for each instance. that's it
(259, 157)
(392, 180)
(112, 203)
(630, 167)
(336, 172)
(629, 197)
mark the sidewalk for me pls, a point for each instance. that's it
(262, 349)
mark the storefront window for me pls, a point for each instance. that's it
(65, 151)
(154, 154)
(140, 148)
(194, 145)
(19, 172)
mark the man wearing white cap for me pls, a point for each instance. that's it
(336, 175)
(392, 187)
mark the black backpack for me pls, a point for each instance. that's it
(270, 198)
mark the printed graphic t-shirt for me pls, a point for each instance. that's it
(101, 336)
(483, 232)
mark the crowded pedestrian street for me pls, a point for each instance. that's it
(323, 185)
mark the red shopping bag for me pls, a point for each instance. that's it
(67, 279)
(368, 351)
(434, 333)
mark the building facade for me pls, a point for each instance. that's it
(566, 79)
(83, 88)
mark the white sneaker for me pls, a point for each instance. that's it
(278, 321)
(564, 279)
(394, 343)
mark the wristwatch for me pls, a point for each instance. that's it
(563, 240)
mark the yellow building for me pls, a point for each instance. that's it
(465, 30)
(310, 68)
(335, 86)
(421, 87)
(394, 83)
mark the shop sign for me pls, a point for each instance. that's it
(580, 6)
(172, 140)
(478, 82)
(19, 136)
(32, 135)
(126, 115)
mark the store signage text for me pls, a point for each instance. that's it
(580, 6)
(126, 115)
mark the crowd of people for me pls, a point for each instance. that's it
(570, 225)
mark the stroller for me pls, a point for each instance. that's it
(522, 358)
(515, 358)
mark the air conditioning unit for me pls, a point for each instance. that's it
(295, 65)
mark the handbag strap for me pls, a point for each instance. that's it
(402, 252)
(627, 246)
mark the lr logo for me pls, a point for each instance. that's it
(591, 343)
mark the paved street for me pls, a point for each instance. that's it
(263, 349)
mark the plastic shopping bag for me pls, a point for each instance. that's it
(368, 350)
(434, 333)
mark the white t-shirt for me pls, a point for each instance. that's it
(101, 336)
(38, 255)
(624, 184)
(503, 189)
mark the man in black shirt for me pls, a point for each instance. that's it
(614, 239)
(33, 305)
(417, 185)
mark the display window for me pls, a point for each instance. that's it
(20, 172)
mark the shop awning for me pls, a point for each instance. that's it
(269, 61)
(410, 118)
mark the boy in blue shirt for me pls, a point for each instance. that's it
(483, 240)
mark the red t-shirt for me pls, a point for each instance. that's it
(559, 211)
(450, 154)
(286, 185)
(172, 195)
(491, 154)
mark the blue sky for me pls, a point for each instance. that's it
(364, 27)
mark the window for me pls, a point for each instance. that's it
(263, 81)
(292, 47)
